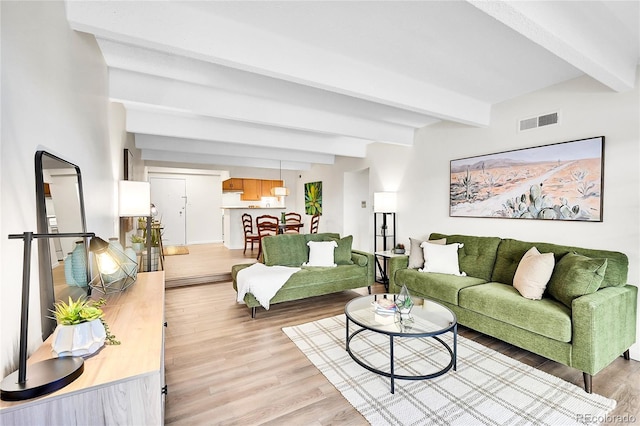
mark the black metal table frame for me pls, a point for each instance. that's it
(391, 374)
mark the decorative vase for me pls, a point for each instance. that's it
(82, 339)
(398, 251)
(130, 265)
(155, 251)
(68, 271)
(79, 264)
(137, 247)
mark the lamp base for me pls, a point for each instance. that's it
(42, 378)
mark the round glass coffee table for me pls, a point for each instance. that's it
(428, 319)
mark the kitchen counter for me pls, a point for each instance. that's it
(233, 230)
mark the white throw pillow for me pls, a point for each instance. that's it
(533, 273)
(441, 258)
(321, 253)
(416, 254)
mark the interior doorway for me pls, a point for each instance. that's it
(357, 212)
(170, 198)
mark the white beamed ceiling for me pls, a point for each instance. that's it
(295, 83)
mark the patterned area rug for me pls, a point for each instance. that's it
(175, 250)
(488, 388)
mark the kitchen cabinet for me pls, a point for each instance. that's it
(268, 185)
(251, 190)
(233, 184)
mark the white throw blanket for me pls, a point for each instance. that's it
(263, 281)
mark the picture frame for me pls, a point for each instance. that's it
(560, 181)
(313, 198)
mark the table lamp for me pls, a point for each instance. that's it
(52, 374)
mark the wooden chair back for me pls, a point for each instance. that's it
(249, 236)
(315, 222)
(292, 222)
(267, 225)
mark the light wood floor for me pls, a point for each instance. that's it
(222, 367)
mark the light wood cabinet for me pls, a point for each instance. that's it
(268, 185)
(252, 190)
(233, 184)
(121, 384)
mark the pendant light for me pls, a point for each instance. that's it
(280, 191)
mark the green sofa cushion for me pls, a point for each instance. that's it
(478, 255)
(342, 253)
(575, 275)
(502, 302)
(285, 250)
(325, 236)
(432, 285)
(511, 251)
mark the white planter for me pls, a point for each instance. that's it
(81, 339)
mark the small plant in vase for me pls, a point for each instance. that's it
(399, 249)
(81, 330)
(137, 243)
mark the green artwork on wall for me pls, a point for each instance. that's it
(313, 198)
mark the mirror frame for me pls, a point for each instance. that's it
(47, 295)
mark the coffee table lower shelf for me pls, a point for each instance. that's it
(391, 374)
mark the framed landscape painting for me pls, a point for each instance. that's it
(562, 181)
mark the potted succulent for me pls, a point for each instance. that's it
(81, 330)
(137, 243)
(399, 249)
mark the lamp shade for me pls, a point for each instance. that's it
(134, 198)
(280, 191)
(384, 202)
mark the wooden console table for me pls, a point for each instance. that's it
(121, 384)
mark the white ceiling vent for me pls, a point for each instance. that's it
(540, 121)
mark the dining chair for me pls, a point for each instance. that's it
(267, 225)
(292, 223)
(315, 222)
(249, 235)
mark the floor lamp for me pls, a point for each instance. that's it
(134, 200)
(52, 374)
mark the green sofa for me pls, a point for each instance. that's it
(355, 268)
(588, 334)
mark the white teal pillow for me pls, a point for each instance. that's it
(442, 259)
(321, 253)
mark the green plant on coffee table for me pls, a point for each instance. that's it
(82, 310)
(135, 238)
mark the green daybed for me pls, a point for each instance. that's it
(354, 268)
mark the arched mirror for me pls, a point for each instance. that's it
(60, 208)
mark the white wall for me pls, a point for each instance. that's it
(420, 174)
(54, 97)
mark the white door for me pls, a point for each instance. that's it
(357, 212)
(170, 198)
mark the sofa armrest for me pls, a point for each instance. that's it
(604, 326)
(234, 273)
(396, 263)
(370, 265)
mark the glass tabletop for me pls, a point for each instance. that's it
(427, 318)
